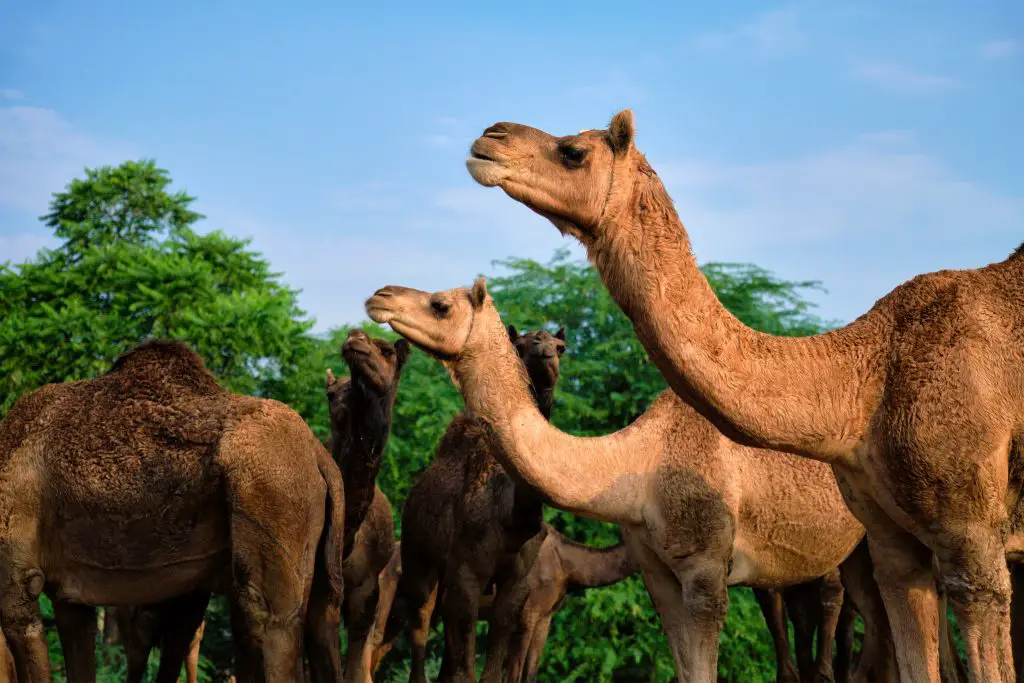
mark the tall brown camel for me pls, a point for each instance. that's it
(361, 408)
(918, 404)
(151, 484)
(464, 523)
(698, 511)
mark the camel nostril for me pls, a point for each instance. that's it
(497, 131)
(383, 292)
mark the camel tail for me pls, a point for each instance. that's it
(329, 552)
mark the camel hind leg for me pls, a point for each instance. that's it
(774, 611)
(278, 509)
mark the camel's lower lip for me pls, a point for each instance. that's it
(481, 157)
(377, 314)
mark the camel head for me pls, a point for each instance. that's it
(442, 323)
(568, 179)
(375, 364)
(540, 352)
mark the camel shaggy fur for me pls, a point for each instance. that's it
(151, 483)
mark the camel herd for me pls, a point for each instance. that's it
(873, 470)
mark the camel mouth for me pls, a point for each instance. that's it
(377, 310)
(486, 167)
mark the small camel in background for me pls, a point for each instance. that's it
(464, 523)
(361, 408)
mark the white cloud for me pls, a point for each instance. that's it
(771, 33)
(861, 217)
(900, 78)
(11, 94)
(40, 153)
(1000, 49)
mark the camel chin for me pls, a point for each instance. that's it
(486, 172)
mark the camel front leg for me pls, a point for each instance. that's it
(975, 577)
(360, 609)
(903, 570)
(691, 599)
(459, 609)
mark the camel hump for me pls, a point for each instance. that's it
(165, 363)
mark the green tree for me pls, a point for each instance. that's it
(131, 266)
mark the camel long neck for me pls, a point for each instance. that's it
(358, 447)
(598, 477)
(810, 396)
(595, 567)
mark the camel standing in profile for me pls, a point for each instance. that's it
(152, 484)
(361, 408)
(465, 523)
(698, 511)
(917, 404)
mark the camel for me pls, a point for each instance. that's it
(698, 511)
(562, 567)
(918, 404)
(360, 409)
(464, 524)
(151, 484)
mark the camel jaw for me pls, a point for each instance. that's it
(487, 172)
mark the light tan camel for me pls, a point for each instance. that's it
(698, 511)
(151, 483)
(919, 403)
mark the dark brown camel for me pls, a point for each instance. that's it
(151, 484)
(361, 412)
(463, 525)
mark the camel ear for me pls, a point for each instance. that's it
(621, 131)
(561, 333)
(402, 350)
(330, 377)
(479, 292)
(513, 333)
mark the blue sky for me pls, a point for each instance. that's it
(854, 143)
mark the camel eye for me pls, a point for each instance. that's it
(387, 351)
(573, 156)
(440, 307)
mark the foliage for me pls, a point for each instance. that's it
(131, 266)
